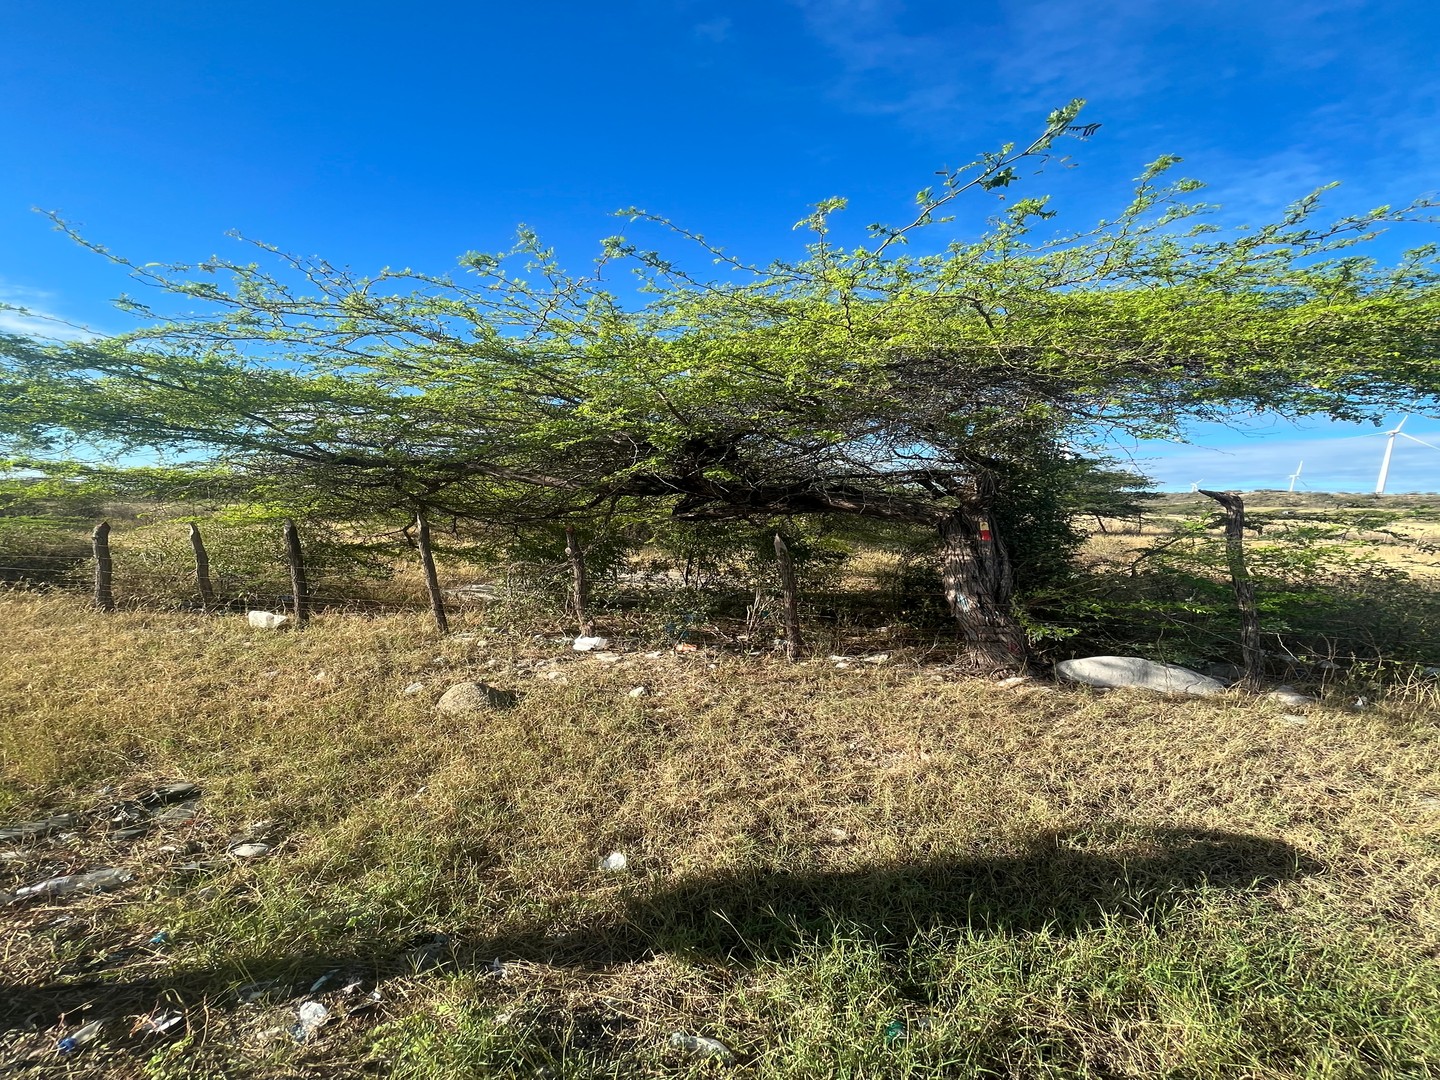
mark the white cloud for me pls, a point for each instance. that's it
(29, 313)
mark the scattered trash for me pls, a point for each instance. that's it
(32, 830)
(172, 794)
(101, 880)
(639, 691)
(615, 861)
(655, 655)
(429, 952)
(1013, 681)
(319, 983)
(703, 1046)
(249, 850)
(177, 815)
(87, 1034)
(898, 1031)
(134, 832)
(1361, 703)
(589, 644)
(606, 657)
(267, 620)
(312, 1017)
(161, 1024)
(685, 646)
(269, 992)
(413, 688)
(162, 938)
(497, 968)
(878, 658)
(372, 999)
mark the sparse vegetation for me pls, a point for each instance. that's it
(886, 869)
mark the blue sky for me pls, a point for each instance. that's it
(383, 134)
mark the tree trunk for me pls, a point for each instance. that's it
(299, 589)
(1252, 653)
(793, 644)
(432, 579)
(104, 568)
(979, 583)
(202, 568)
(580, 597)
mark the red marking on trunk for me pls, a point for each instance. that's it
(984, 534)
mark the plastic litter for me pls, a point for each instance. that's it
(266, 620)
(161, 1024)
(74, 1041)
(590, 644)
(639, 691)
(413, 688)
(898, 1031)
(312, 1017)
(162, 938)
(95, 881)
(30, 830)
(614, 862)
(249, 851)
(685, 646)
(703, 1046)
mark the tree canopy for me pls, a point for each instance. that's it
(900, 378)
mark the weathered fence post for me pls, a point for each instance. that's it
(580, 597)
(793, 644)
(1252, 653)
(104, 568)
(299, 590)
(432, 580)
(202, 567)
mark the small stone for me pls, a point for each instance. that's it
(472, 697)
(1288, 695)
(639, 691)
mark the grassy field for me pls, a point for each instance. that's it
(877, 870)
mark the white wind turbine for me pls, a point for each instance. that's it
(1294, 477)
(1195, 484)
(1390, 450)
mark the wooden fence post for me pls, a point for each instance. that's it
(580, 597)
(1252, 652)
(202, 567)
(104, 568)
(299, 590)
(793, 644)
(432, 580)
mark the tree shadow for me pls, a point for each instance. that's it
(1064, 882)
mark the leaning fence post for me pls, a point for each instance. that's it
(793, 644)
(299, 590)
(581, 584)
(1252, 651)
(202, 567)
(432, 580)
(104, 568)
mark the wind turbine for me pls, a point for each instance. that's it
(1390, 450)
(1295, 476)
(1195, 484)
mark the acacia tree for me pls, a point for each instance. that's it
(863, 380)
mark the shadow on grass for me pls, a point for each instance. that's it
(1064, 882)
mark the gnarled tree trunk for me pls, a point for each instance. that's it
(979, 584)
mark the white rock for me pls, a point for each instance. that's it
(1116, 671)
(469, 697)
(1288, 695)
(267, 620)
(589, 644)
(615, 861)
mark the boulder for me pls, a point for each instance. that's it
(469, 697)
(1118, 671)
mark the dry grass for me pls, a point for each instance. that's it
(875, 870)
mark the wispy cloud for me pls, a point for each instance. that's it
(715, 30)
(30, 313)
